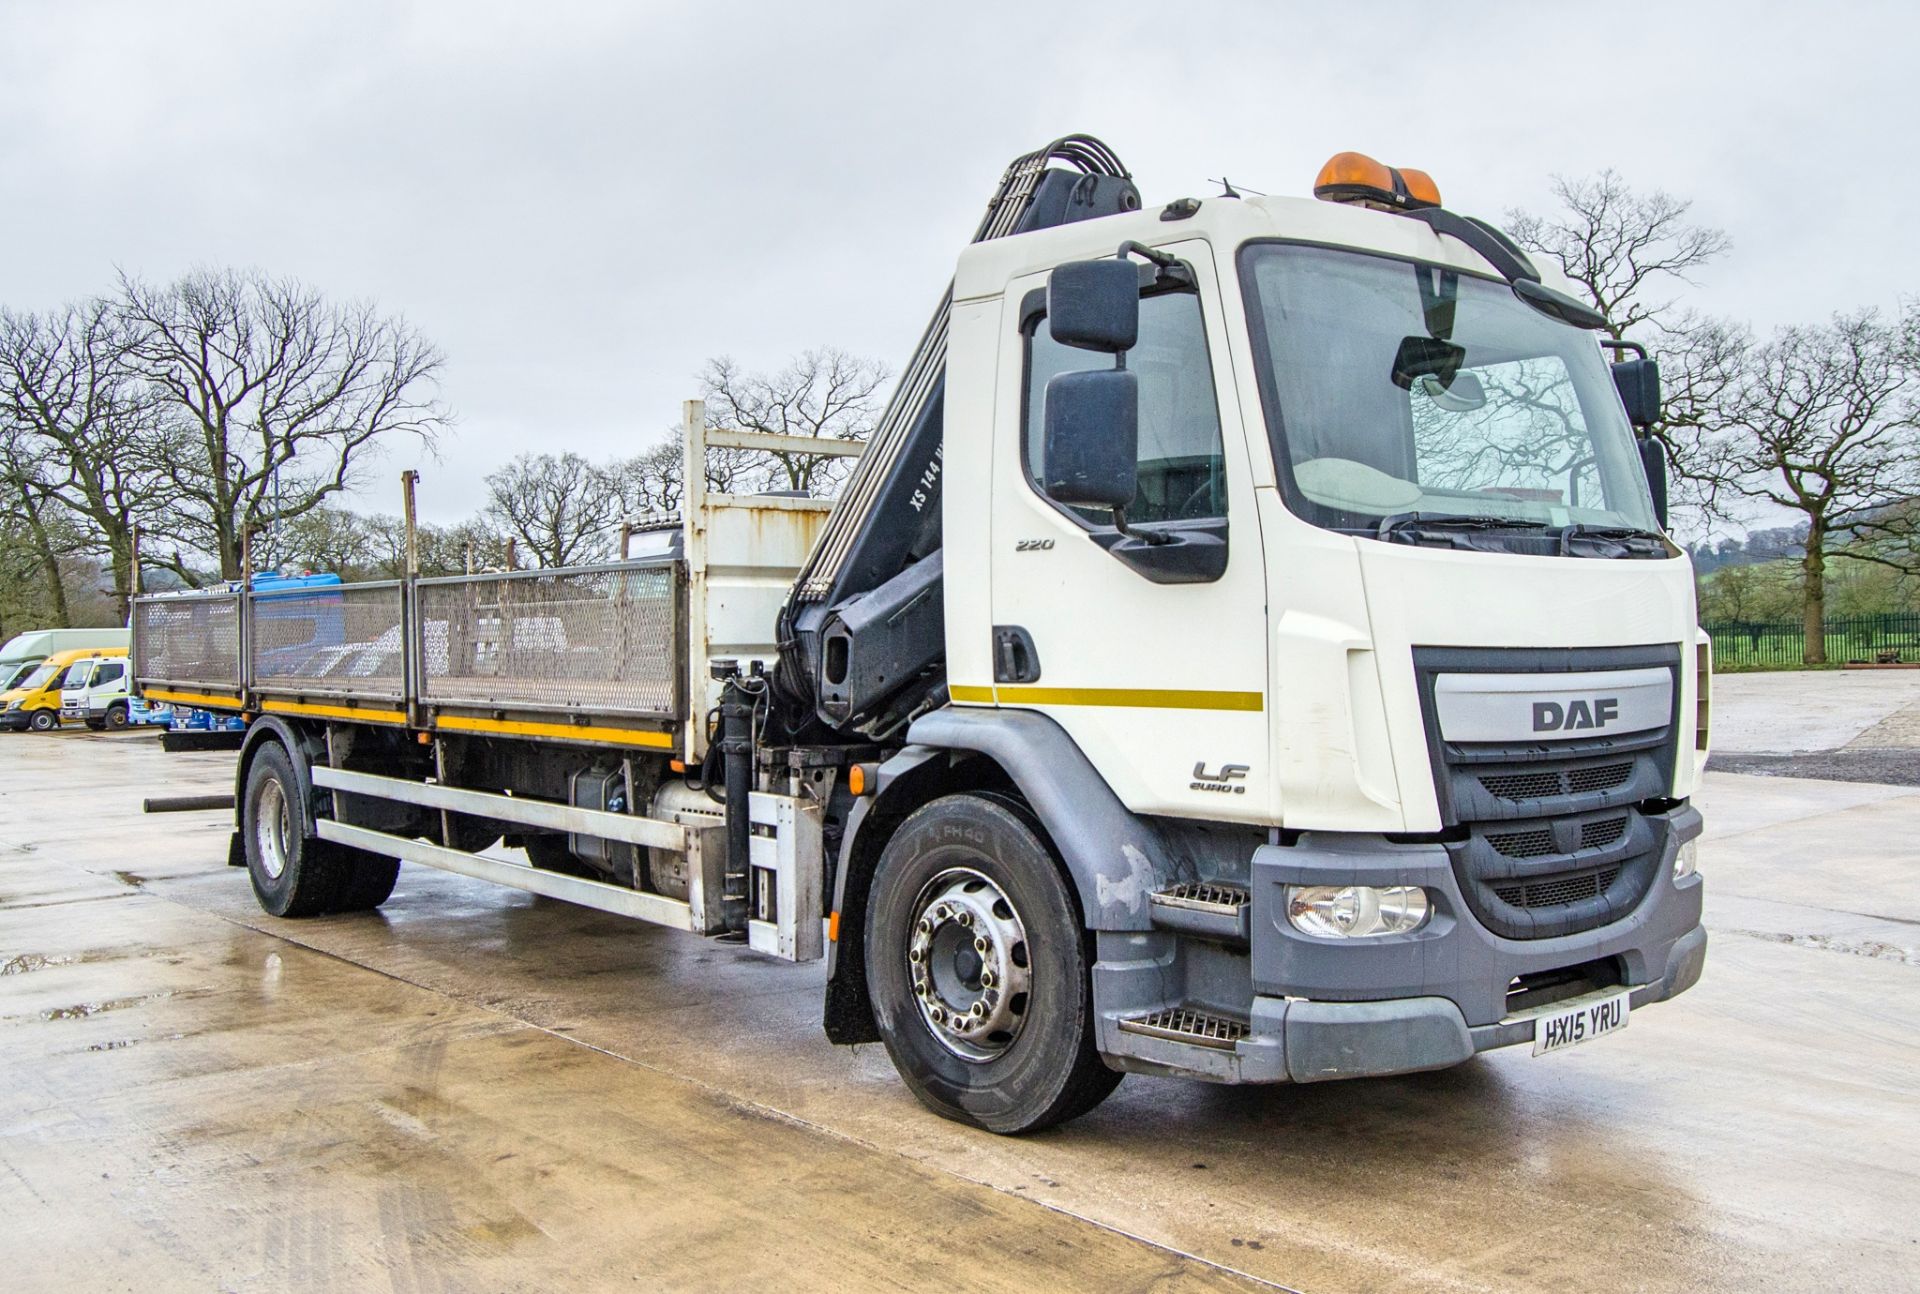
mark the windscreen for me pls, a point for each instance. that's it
(42, 676)
(1397, 388)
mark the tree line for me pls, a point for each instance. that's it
(228, 404)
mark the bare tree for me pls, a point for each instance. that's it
(823, 392)
(1825, 421)
(1629, 251)
(72, 405)
(1622, 246)
(272, 396)
(560, 507)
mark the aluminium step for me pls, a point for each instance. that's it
(1216, 910)
(1195, 1026)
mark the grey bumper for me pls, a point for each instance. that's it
(1324, 1009)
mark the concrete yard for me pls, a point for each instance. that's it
(475, 1089)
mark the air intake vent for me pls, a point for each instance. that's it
(1596, 835)
(1523, 844)
(1600, 777)
(1523, 786)
(1557, 890)
(1545, 784)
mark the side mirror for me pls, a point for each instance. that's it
(1095, 305)
(1653, 461)
(1092, 438)
(1638, 381)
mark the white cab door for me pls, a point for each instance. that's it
(1163, 684)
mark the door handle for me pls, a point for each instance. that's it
(1015, 658)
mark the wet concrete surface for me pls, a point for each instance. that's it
(477, 1089)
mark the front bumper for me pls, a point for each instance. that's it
(1323, 1008)
(14, 720)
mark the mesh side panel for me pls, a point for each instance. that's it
(344, 639)
(602, 638)
(1523, 844)
(188, 638)
(1602, 777)
(1604, 832)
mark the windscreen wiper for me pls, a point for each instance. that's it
(1405, 521)
(1612, 541)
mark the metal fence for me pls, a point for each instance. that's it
(601, 638)
(188, 638)
(1882, 639)
(343, 639)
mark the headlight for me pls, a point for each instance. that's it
(1686, 861)
(1356, 911)
(12, 706)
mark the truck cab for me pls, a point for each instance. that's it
(95, 693)
(1365, 629)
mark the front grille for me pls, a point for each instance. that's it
(1523, 844)
(1557, 889)
(1523, 786)
(1548, 836)
(1599, 777)
(1573, 781)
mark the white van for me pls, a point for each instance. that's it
(95, 691)
(25, 651)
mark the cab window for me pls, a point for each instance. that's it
(1181, 460)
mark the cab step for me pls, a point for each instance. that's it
(1191, 1025)
(1216, 910)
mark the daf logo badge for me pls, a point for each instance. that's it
(1554, 716)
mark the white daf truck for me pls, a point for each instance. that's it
(1246, 650)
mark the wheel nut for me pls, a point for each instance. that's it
(913, 955)
(964, 917)
(925, 927)
(939, 1016)
(986, 979)
(979, 1009)
(980, 944)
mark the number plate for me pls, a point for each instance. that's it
(1558, 1030)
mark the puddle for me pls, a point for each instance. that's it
(1857, 947)
(85, 1010)
(24, 962)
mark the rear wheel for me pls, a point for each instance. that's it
(43, 721)
(979, 968)
(295, 874)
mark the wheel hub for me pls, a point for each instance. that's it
(271, 827)
(968, 965)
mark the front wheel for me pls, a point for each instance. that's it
(117, 716)
(43, 721)
(979, 969)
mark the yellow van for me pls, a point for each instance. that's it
(35, 703)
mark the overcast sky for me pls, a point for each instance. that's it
(581, 201)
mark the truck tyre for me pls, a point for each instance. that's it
(43, 721)
(117, 716)
(979, 969)
(294, 874)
